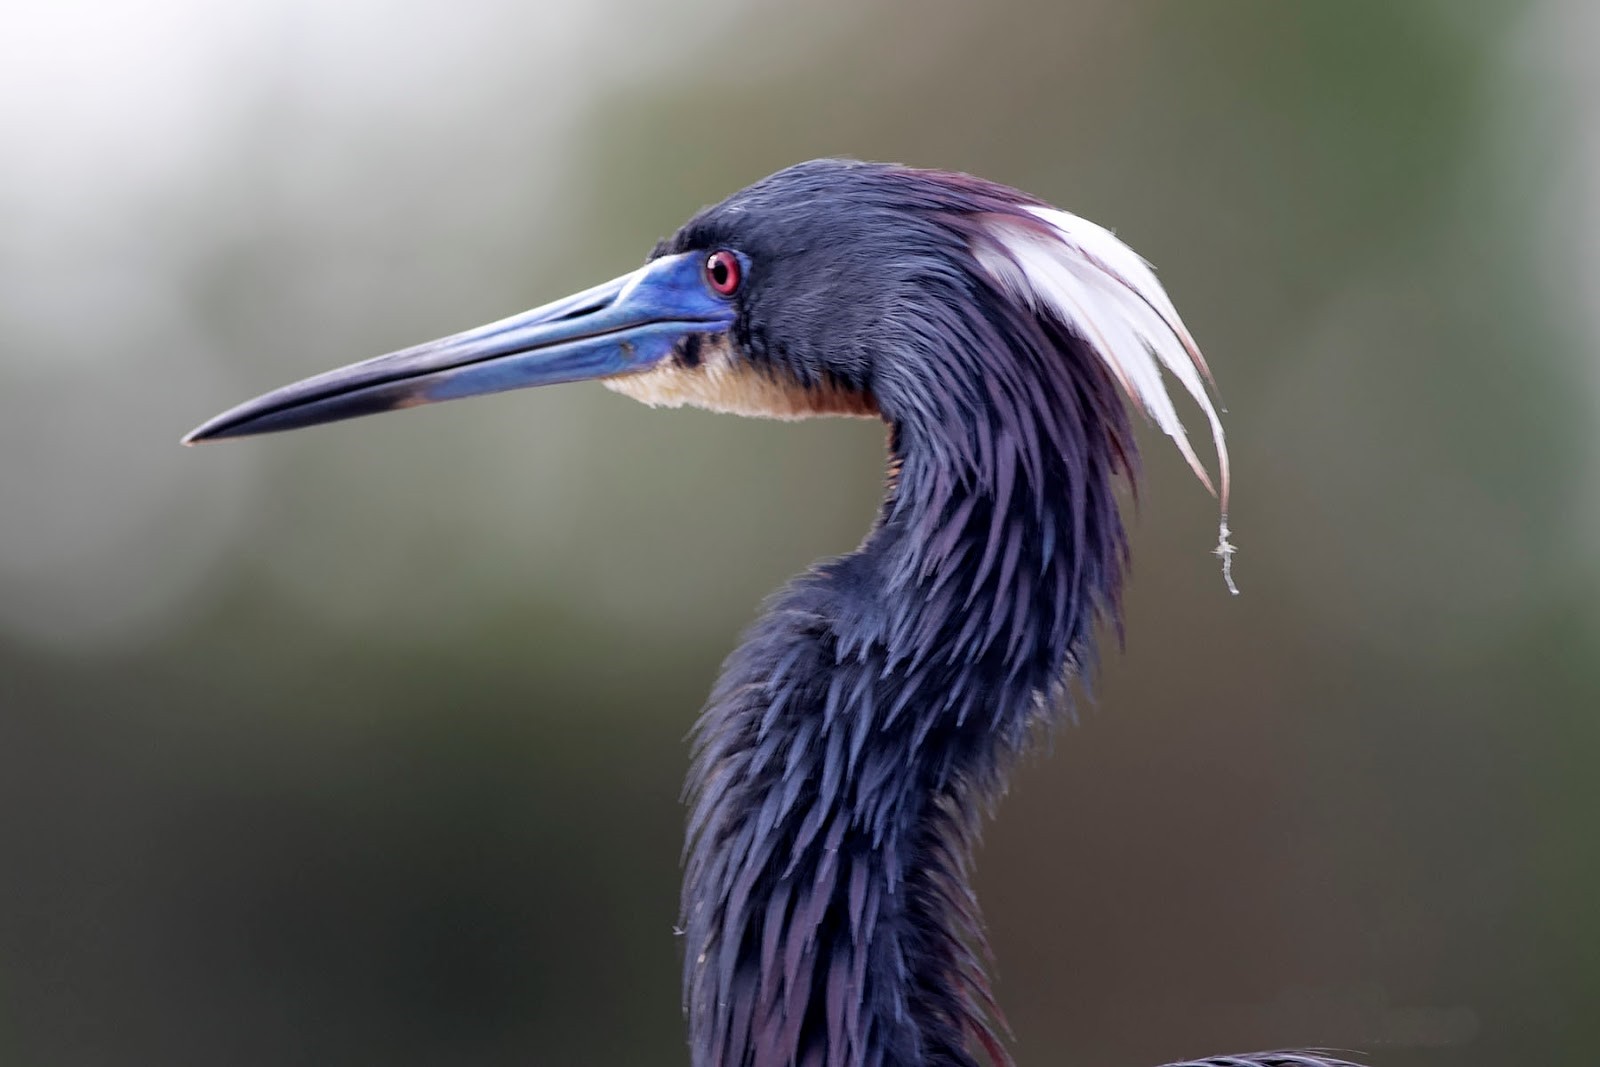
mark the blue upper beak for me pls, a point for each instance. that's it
(622, 327)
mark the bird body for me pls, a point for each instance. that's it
(869, 717)
(866, 720)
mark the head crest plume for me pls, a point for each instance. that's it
(1106, 294)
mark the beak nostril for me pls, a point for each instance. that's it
(580, 312)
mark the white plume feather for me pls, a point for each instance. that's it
(1109, 296)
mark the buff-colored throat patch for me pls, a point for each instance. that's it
(720, 381)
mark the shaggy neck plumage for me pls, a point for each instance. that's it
(868, 717)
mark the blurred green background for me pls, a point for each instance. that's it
(362, 745)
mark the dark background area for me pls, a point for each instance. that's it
(363, 745)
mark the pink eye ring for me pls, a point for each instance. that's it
(723, 272)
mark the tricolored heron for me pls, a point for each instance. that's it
(843, 758)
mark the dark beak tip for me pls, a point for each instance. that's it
(218, 429)
(199, 435)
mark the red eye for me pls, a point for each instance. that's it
(723, 272)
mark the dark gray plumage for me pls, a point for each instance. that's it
(869, 718)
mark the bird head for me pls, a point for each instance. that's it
(952, 307)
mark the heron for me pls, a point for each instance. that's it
(841, 766)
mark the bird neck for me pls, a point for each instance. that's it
(852, 739)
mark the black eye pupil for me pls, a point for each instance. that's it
(719, 271)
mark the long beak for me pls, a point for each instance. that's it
(622, 327)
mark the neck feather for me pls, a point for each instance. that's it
(865, 721)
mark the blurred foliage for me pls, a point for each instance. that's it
(362, 745)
